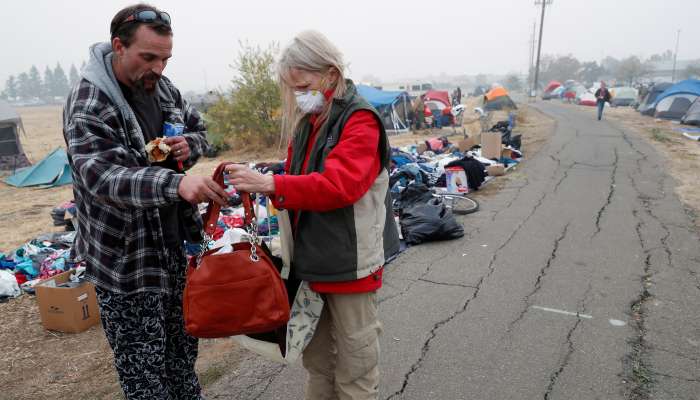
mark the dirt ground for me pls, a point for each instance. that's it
(36, 363)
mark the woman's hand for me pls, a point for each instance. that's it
(247, 180)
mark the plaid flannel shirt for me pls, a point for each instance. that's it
(117, 191)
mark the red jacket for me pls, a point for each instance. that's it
(349, 171)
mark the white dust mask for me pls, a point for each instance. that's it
(310, 101)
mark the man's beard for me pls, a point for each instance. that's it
(149, 78)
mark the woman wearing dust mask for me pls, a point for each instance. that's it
(336, 193)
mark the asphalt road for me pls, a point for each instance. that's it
(578, 280)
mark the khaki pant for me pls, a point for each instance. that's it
(342, 359)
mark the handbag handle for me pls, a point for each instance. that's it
(212, 215)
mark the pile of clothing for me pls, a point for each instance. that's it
(45, 256)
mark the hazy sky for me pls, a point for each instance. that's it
(392, 40)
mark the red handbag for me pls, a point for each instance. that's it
(234, 293)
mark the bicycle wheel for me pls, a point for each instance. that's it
(460, 204)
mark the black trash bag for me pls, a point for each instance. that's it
(415, 193)
(430, 221)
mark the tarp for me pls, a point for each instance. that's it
(53, 170)
(692, 117)
(439, 95)
(688, 86)
(378, 98)
(7, 113)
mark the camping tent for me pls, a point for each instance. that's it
(623, 96)
(647, 107)
(11, 154)
(498, 99)
(692, 116)
(547, 94)
(393, 107)
(53, 170)
(674, 106)
(688, 86)
(587, 99)
(438, 95)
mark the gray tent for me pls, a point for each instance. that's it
(11, 154)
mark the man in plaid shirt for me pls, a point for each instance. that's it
(133, 215)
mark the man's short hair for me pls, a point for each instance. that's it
(125, 31)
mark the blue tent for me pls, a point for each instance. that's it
(53, 170)
(393, 106)
(688, 86)
(378, 98)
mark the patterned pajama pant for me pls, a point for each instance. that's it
(153, 355)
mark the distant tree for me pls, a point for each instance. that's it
(665, 56)
(561, 68)
(34, 89)
(590, 72)
(692, 71)
(60, 82)
(23, 86)
(10, 91)
(249, 112)
(630, 70)
(513, 83)
(73, 76)
(47, 84)
(611, 65)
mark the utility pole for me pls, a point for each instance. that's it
(544, 3)
(675, 56)
(532, 54)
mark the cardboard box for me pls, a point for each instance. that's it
(496, 169)
(456, 180)
(491, 145)
(467, 144)
(66, 306)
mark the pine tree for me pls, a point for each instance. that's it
(60, 82)
(73, 75)
(10, 91)
(47, 87)
(23, 89)
(34, 82)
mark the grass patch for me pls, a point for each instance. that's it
(659, 135)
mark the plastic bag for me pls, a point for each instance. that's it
(8, 284)
(430, 221)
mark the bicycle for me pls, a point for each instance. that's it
(459, 204)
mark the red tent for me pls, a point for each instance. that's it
(438, 95)
(551, 86)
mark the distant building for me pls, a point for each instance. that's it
(662, 71)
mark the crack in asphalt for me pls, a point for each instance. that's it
(570, 346)
(611, 192)
(433, 331)
(538, 280)
(446, 283)
(675, 377)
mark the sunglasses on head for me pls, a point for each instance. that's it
(148, 16)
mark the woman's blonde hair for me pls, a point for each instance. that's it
(309, 51)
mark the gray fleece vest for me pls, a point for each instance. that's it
(352, 242)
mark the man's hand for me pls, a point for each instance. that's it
(178, 147)
(247, 180)
(200, 189)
